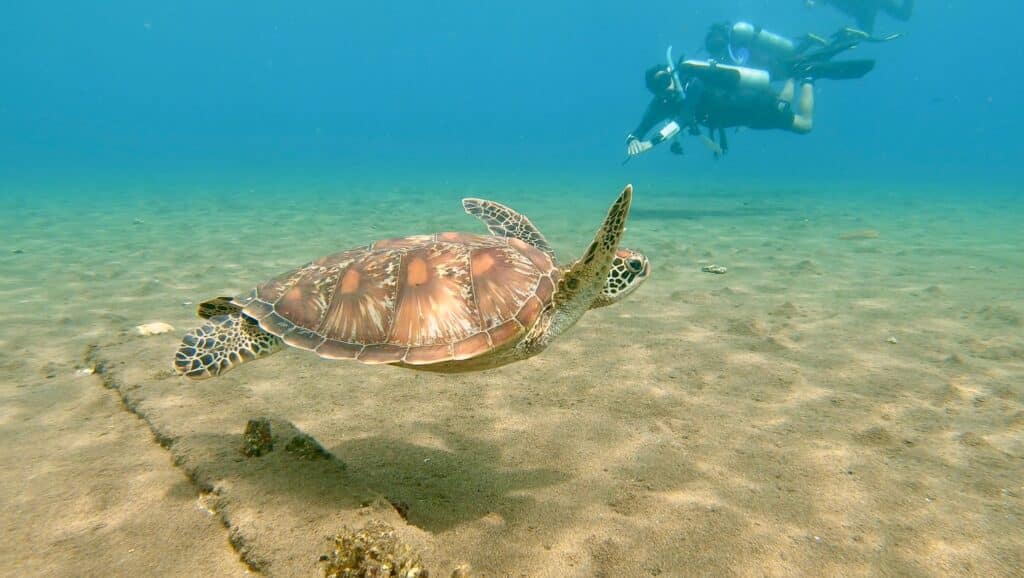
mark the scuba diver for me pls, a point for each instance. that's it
(864, 11)
(697, 93)
(669, 104)
(744, 44)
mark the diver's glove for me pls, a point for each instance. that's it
(635, 146)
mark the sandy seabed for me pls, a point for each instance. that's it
(847, 400)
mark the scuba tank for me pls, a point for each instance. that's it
(754, 39)
(726, 75)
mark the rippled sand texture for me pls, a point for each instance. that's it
(846, 400)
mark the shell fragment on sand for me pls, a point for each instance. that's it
(155, 328)
(716, 269)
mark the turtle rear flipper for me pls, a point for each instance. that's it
(218, 306)
(225, 342)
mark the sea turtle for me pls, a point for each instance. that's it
(447, 302)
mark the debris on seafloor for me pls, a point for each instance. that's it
(374, 551)
(155, 328)
(257, 439)
(716, 269)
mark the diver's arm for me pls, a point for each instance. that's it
(635, 146)
(900, 9)
(655, 113)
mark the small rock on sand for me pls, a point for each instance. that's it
(155, 328)
(258, 438)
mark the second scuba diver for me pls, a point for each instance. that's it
(744, 44)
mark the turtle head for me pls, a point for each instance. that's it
(629, 269)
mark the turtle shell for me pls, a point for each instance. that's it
(414, 300)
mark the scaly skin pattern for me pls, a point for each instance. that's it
(582, 282)
(225, 342)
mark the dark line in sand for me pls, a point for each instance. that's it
(101, 368)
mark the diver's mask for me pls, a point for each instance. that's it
(661, 84)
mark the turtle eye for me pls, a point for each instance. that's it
(635, 265)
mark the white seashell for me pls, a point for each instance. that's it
(155, 328)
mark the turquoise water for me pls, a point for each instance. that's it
(152, 95)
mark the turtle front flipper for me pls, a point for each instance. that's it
(628, 270)
(225, 342)
(502, 221)
(583, 281)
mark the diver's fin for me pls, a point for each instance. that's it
(812, 38)
(841, 70)
(884, 37)
(849, 33)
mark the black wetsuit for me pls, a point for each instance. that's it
(662, 109)
(756, 109)
(718, 108)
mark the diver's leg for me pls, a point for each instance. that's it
(865, 18)
(787, 91)
(900, 9)
(803, 119)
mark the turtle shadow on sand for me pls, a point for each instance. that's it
(280, 503)
(437, 489)
(433, 489)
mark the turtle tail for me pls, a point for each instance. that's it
(226, 341)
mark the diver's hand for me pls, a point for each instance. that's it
(636, 146)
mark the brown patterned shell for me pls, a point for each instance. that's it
(415, 300)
